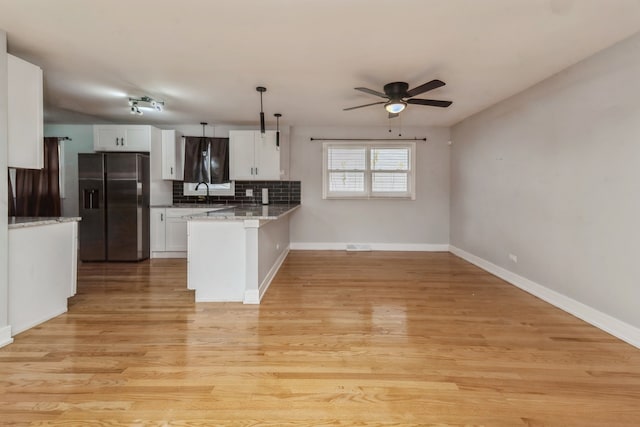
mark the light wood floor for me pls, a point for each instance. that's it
(341, 339)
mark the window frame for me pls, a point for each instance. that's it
(368, 193)
(61, 169)
(189, 189)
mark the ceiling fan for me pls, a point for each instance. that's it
(398, 96)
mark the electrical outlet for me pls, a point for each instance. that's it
(249, 192)
(513, 258)
(277, 246)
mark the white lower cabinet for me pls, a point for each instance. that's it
(169, 231)
(42, 272)
(157, 243)
(176, 230)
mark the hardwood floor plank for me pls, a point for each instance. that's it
(340, 339)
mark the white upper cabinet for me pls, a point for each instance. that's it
(253, 156)
(172, 155)
(25, 115)
(136, 138)
(141, 139)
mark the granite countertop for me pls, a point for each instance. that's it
(195, 206)
(33, 221)
(260, 212)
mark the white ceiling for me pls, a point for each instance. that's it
(205, 58)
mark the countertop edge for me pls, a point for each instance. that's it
(222, 216)
(39, 221)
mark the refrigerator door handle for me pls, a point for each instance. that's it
(90, 198)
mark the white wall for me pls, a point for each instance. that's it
(552, 175)
(82, 142)
(386, 224)
(5, 328)
(273, 241)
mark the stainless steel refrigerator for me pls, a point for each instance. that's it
(114, 206)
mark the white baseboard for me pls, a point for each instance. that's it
(5, 336)
(409, 247)
(178, 254)
(251, 297)
(33, 323)
(254, 296)
(607, 323)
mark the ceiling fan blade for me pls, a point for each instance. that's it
(371, 91)
(365, 105)
(392, 115)
(431, 102)
(433, 84)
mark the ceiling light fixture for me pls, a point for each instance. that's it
(277, 116)
(261, 90)
(395, 106)
(152, 103)
(134, 109)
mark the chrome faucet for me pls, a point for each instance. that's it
(207, 185)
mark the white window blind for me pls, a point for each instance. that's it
(347, 167)
(368, 170)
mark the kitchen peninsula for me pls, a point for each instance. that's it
(233, 254)
(42, 268)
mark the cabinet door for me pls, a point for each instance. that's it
(266, 157)
(137, 138)
(158, 220)
(176, 234)
(168, 154)
(172, 155)
(241, 160)
(107, 138)
(176, 228)
(24, 116)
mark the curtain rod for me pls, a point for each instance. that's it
(368, 139)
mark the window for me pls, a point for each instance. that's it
(368, 170)
(226, 189)
(207, 160)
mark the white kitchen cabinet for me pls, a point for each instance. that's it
(136, 138)
(157, 222)
(172, 155)
(169, 231)
(140, 139)
(176, 232)
(42, 271)
(25, 115)
(253, 156)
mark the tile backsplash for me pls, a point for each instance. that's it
(280, 192)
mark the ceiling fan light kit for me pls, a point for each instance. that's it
(398, 95)
(394, 107)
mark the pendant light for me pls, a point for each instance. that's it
(277, 116)
(261, 89)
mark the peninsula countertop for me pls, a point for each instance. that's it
(33, 221)
(244, 212)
